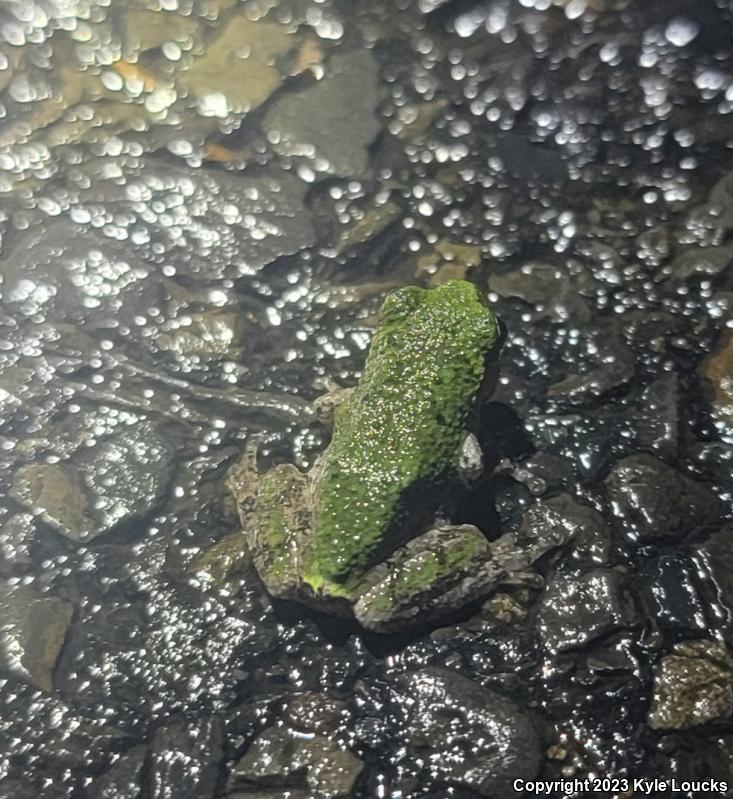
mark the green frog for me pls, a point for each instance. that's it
(362, 533)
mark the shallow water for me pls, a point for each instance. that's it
(202, 205)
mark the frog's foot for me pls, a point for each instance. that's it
(242, 479)
(326, 405)
(440, 571)
(470, 459)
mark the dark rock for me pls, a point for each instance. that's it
(658, 427)
(658, 502)
(332, 122)
(613, 657)
(544, 473)
(282, 758)
(185, 758)
(315, 712)
(545, 287)
(576, 610)
(16, 537)
(714, 559)
(692, 686)
(702, 261)
(716, 458)
(118, 479)
(33, 631)
(616, 368)
(667, 591)
(561, 519)
(123, 780)
(468, 736)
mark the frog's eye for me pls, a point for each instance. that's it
(401, 303)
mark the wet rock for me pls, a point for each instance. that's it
(73, 276)
(117, 480)
(616, 368)
(184, 759)
(702, 261)
(544, 473)
(316, 712)
(237, 70)
(613, 657)
(717, 370)
(562, 519)
(667, 590)
(281, 758)
(123, 780)
(242, 222)
(16, 535)
(145, 30)
(658, 502)
(658, 427)
(58, 735)
(468, 736)
(33, 629)
(576, 610)
(331, 123)
(715, 458)
(272, 793)
(525, 160)
(369, 226)
(545, 287)
(692, 686)
(213, 334)
(447, 261)
(714, 559)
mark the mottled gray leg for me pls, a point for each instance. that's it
(440, 571)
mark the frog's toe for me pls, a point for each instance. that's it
(432, 575)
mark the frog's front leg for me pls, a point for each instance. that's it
(275, 512)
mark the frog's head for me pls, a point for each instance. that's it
(458, 300)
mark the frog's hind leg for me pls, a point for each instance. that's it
(443, 569)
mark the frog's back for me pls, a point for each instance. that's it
(403, 425)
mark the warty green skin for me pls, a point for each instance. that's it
(400, 431)
(337, 536)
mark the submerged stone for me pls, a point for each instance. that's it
(714, 559)
(239, 65)
(124, 779)
(545, 287)
(32, 631)
(331, 123)
(118, 479)
(185, 758)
